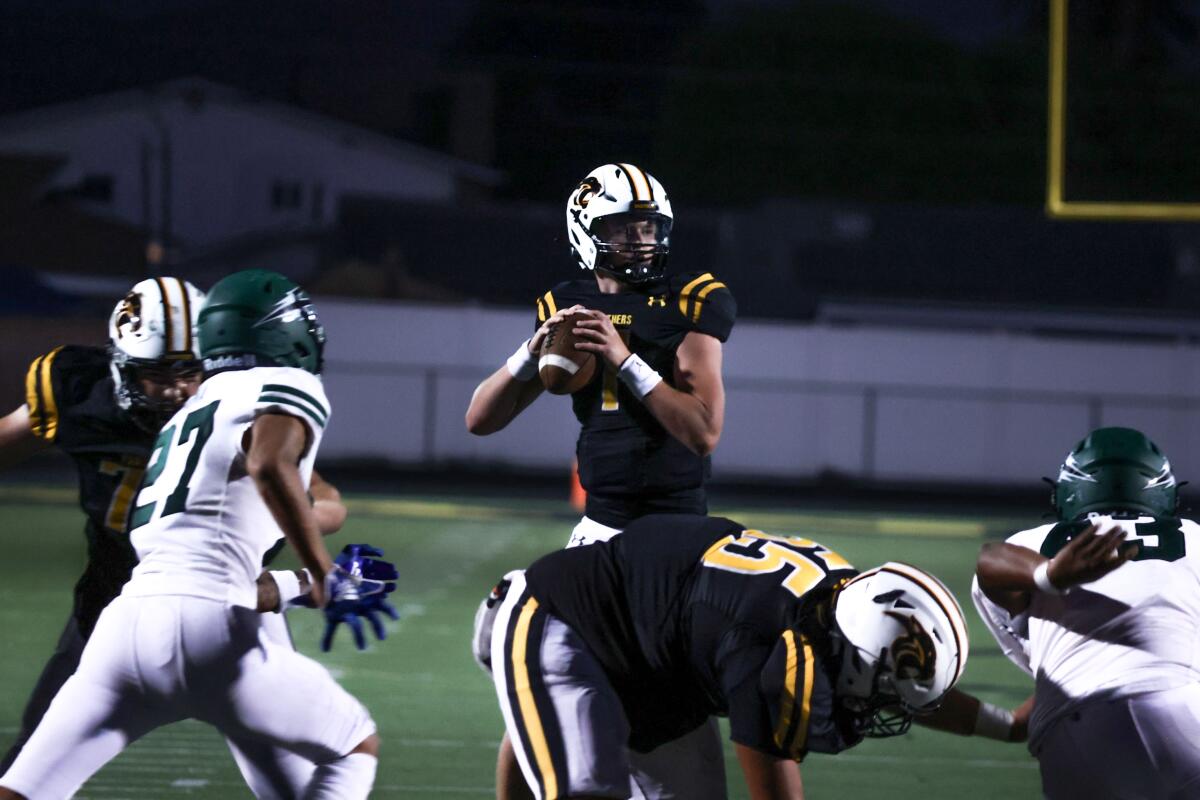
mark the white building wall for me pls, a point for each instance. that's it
(895, 404)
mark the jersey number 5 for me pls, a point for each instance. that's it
(803, 562)
(196, 427)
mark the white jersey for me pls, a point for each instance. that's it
(199, 525)
(1135, 630)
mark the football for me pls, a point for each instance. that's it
(562, 368)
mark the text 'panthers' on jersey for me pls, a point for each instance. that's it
(622, 450)
(72, 403)
(685, 613)
(199, 525)
(1132, 631)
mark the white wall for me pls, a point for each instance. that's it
(895, 404)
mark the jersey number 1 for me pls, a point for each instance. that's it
(198, 425)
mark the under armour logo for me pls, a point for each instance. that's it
(660, 299)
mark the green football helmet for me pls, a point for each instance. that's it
(1115, 469)
(259, 318)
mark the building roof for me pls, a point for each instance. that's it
(197, 92)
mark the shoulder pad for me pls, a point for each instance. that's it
(706, 303)
(55, 379)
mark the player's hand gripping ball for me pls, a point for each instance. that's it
(562, 368)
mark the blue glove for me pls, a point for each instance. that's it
(358, 586)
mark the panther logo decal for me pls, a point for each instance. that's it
(129, 318)
(913, 651)
(586, 191)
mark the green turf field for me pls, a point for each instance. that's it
(436, 711)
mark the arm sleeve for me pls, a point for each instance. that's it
(42, 393)
(708, 305)
(789, 703)
(749, 709)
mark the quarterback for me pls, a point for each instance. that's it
(1102, 609)
(651, 415)
(227, 478)
(633, 642)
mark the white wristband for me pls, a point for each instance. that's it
(638, 376)
(522, 364)
(289, 585)
(994, 722)
(1041, 579)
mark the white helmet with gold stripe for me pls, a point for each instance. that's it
(619, 221)
(152, 331)
(904, 645)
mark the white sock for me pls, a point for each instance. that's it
(349, 778)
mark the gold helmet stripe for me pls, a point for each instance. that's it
(166, 304)
(700, 298)
(529, 712)
(687, 290)
(187, 316)
(551, 309)
(638, 183)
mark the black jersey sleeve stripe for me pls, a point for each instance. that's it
(524, 704)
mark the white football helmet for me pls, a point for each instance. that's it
(619, 221)
(904, 645)
(152, 330)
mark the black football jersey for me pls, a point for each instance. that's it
(628, 464)
(72, 404)
(692, 616)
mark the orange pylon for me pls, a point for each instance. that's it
(578, 496)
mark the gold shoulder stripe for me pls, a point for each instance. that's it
(541, 310)
(551, 309)
(700, 298)
(39, 395)
(687, 290)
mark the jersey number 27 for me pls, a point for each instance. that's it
(196, 428)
